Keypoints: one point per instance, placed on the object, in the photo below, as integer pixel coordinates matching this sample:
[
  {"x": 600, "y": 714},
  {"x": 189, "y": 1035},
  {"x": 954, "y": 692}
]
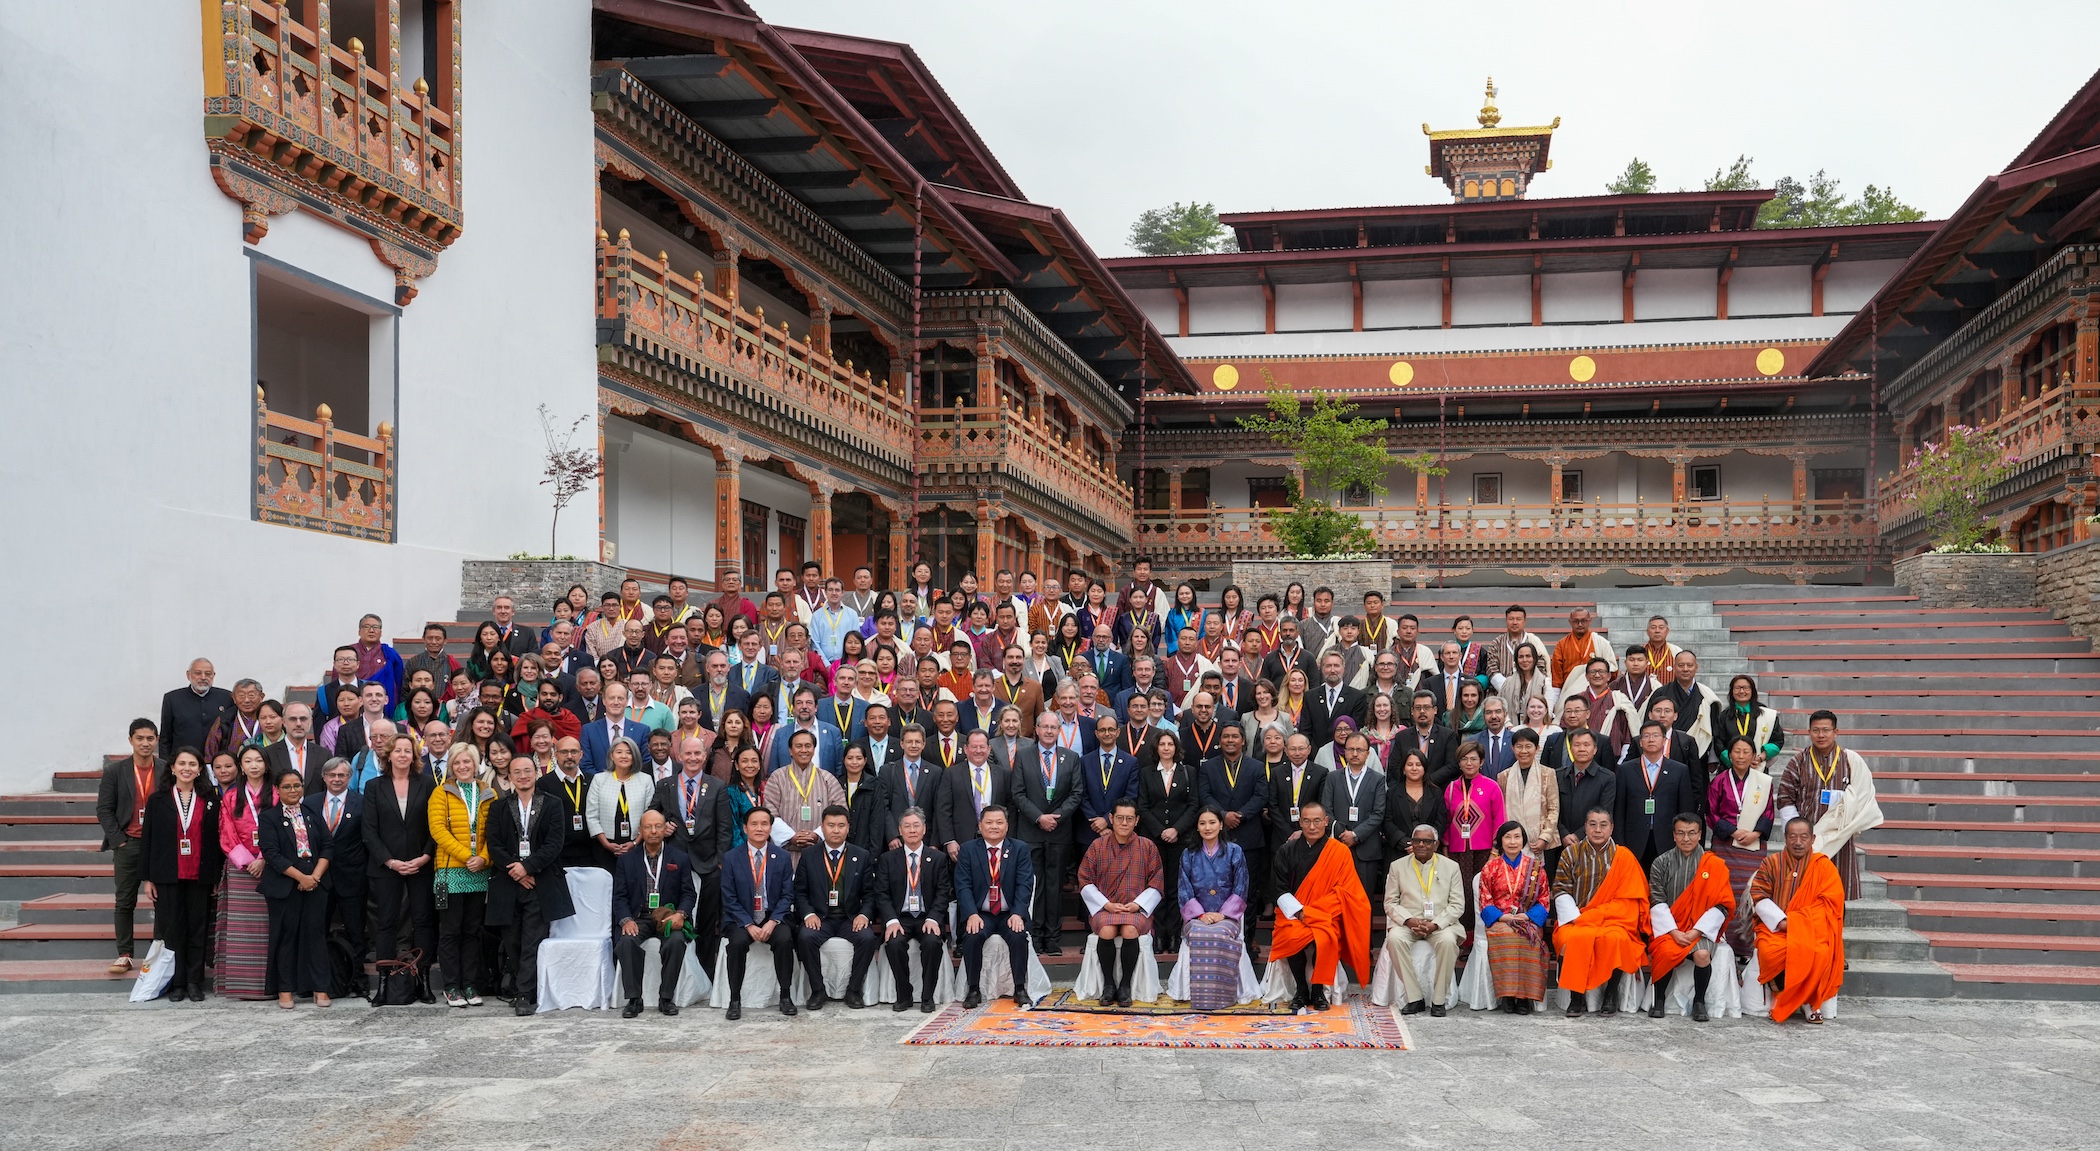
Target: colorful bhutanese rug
[
  {"x": 1357, "y": 1025},
  {"x": 1064, "y": 1000}
]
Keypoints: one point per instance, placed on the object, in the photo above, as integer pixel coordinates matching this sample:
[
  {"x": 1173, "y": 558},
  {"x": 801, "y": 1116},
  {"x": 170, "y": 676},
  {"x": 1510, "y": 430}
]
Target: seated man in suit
[
  {"x": 528, "y": 887},
  {"x": 913, "y": 887},
  {"x": 1425, "y": 898},
  {"x": 993, "y": 876},
  {"x": 835, "y": 899},
  {"x": 653, "y": 898},
  {"x": 758, "y": 903}
]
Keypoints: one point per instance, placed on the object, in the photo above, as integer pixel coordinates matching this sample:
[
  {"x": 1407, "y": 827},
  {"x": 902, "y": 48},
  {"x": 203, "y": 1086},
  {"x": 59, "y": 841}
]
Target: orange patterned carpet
[{"x": 1356, "y": 1025}]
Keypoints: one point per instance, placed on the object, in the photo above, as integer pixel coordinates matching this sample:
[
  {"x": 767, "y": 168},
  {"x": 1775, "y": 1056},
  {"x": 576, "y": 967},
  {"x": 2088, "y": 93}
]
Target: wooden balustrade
[
  {"x": 310, "y": 475},
  {"x": 966, "y": 438},
  {"x": 680, "y": 314},
  {"x": 2038, "y": 428}
]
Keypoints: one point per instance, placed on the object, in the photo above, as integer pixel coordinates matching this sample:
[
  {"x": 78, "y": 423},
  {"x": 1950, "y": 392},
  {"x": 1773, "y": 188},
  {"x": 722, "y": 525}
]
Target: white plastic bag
[{"x": 155, "y": 974}]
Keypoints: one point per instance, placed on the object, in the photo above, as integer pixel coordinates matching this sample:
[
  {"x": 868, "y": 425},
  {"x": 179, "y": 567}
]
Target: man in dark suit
[
  {"x": 913, "y": 886},
  {"x": 878, "y": 740},
  {"x": 967, "y": 788},
  {"x": 1439, "y": 747},
  {"x": 343, "y": 809},
  {"x": 993, "y": 879},
  {"x": 1107, "y": 775},
  {"x": 1233, "y": 782},
  {"x": 912, "y": 780},
  {"x": 647, "y": 883},
  {"x": 717, "y": 694},
  {"x": 342, "y": 675},
  {"x": 528, "y": 888},
  {"x": 835, "y": 899},
  {"x": 120, "y": 808},
  {"x": 979, "y": 710},
  {"x": 749, "y": 671},
  {"x": 1587, "y": 784},
  {"x": 1111, "y": 667},
  {"x": 758, "y": 906},
  {"x": 1652, "y": 790},
  {"x": 1329, "y": 700},
  {"x": 1445, "y": 681},
  {"x": 1288, "y": 653},
  {"x": 1682, "y": 748},
  {"x": 572, "y": 788},
  {"x": 1354, "y": 797},
  {"x": 695, "y": 807},
  {"x": 1494, "y": 738},
  {"x": 1201, "y": 733},
  {"x": 598, "y": 737},
  {"x": 1047, "y": 794},
  {"x": 298, "y": 749},
  {"x": 1235, "y": 687},
  {"x": 1574, "y": 716}
]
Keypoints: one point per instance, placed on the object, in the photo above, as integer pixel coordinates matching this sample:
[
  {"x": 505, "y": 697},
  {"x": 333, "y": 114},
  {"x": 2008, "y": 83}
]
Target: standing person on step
[
  {"x": 1572, "y": 655},
  {"x": 120, "y": 809},
  {"x": 1829, "y": 786},
  {"x": 528, "y": 887},
  {"x": 180, "y": 859}
]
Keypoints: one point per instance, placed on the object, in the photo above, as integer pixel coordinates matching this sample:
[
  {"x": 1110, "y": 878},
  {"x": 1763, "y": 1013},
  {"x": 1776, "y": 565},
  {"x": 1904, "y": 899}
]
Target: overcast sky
[{"x": 1105, "y": 108}]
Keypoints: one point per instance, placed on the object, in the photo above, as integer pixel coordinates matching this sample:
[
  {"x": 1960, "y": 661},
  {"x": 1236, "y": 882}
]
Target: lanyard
[
  {"x": 984, "y": 792},
  {"x": 1232, "y": 774},
  {"x": 144, "y": 785},
  {"x": 622, "y": 801},
  {"x": 834, "y": 863},
  {"x": 1049, "y": 763},
  {"x": 1108, "y": 767},
  {"x": 524, "y": 820},
  {"x": 575, "y": 789},
  {"x": 911, "y": 870},
  {"x": 802, "y": 789},
  {"x": 1298, "y": 784},
  {"x": 843, "y": 713},
  {"x": 1419, "y": 878},
  {"x": 654, "y": 865},
  {"x": 183, "y": 811},
  {"x": 1350, "y": 781},
  {"x": 1012, "y": 690},
  {"x": 1825, "y": 772},
  {"x": 468, "y": 792},
  {"x": 1202, "y": 744},
  {"x": 758, "y": 879}
]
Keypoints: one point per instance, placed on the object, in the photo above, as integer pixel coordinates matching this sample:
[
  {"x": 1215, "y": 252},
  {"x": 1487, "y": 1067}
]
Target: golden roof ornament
[{"x": 1490, "y": 116}]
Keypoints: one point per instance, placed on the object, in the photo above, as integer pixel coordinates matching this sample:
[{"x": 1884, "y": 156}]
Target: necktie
[
  {"x": 948, "y": 748},
  {"x": 689, "y": 799},
  {"x": 335, "y": 811},
  {"x": 834, "y": 857}
]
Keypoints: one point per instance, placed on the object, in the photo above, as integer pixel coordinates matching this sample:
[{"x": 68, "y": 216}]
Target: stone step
[
  {"x": 1922, "y": 884},
  {"x": 2050, "y": 864},
  {"x": 1968, "y": 775},
  {"x": 2006, "y": 810},
  {"x": 1896, "y": 979},
  {"x": 48, "y": 803},
  {"x": 2023, "y": 981},
  {"x": 1954, "y": 633},
  {"x": 2028, "y": 743},
  {"x": 20, "y": 882},
  {"x": 83, "y": 781},
  {"x": 1928, "y": 915},
  {"x": 1858, "y": 720},
  {"x": 61, "y": 941},
  {"x": 2007, "y": 947},
  {"x": 80, "y": 908},
  {"x": 2031, "y": 665},
  {"x": 53, "y": 976},
  {"x": 26, "y": 827},
  {"x": 1892, "y": 944}
]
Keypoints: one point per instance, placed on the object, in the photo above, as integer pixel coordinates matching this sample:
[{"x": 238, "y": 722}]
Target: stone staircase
[
  {"x": 1695, "y": 626},
  {"x": 1978, "y": 725}
]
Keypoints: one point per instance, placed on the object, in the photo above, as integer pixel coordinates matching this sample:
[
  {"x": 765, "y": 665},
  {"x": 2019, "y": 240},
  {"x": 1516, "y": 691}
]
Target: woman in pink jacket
[{"x": 244, "y": 917}]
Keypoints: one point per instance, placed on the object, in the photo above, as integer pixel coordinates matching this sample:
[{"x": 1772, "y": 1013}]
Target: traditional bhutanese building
[
  {"x": 1617, "y": 385},
  {"x": 1993, "y": 324},
  {"x": 784, "y": 215}
]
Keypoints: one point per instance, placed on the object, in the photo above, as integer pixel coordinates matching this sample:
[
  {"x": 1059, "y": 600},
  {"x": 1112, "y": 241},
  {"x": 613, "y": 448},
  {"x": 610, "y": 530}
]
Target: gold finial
[
  {"x": 324, "y": 412},
  {"x": 422, "y": 86},
  {"x": 601, "y": 235},
  {"x": 1489, "y": 114},
  {"x": 623, "y": 235},
  {"x": 357, "y": 47},
  {"x": 664, "y": 258},
  {"x": 386, "y": 429}
]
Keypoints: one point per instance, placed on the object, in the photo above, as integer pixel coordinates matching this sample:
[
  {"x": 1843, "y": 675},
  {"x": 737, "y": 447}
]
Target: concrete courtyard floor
[{"x": 90, "y": 1072}]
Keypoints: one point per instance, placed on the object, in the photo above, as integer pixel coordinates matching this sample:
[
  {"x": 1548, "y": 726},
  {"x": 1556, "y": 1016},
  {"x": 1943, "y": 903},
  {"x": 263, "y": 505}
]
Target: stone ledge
[
  {"x": 2004, "y": 580},
  {"x": 534, "y": 584},
  {"x": 1350, "y": 579}
]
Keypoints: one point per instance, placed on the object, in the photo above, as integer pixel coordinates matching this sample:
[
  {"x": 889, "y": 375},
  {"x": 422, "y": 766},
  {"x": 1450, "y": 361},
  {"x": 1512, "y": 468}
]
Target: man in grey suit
[
  {"x": 912, "y": 780},
  {"x": 1047, "y": 792},
  {"x": 1355, "y": 799}
]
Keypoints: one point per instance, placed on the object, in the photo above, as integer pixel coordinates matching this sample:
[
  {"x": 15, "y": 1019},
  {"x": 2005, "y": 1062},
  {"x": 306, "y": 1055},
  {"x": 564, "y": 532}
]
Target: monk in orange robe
[
  {"x": 1600, "y": 897},
  {"x": 1322, "y": 909},
  {"x": 1572, "y": 655},
  {"x": 1691, "y": 897},
  {"x": 1798, "y": 898}
]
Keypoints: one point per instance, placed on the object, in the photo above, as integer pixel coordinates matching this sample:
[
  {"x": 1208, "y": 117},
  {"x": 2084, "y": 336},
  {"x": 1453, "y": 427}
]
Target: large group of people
[{"x": 934, "y": 766}]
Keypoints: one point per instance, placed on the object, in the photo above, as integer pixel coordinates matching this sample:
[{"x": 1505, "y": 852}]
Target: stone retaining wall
[
  {"x": 2067, "y": 582},
  {"x": 534, "y": 584},
  {"x": 2006, "y": 580},
  {"x": 1350, "y": 579}
]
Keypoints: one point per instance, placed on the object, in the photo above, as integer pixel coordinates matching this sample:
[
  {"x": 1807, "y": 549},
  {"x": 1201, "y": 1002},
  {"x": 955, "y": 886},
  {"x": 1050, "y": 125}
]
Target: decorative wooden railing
[
  {"x": 958, "y": 441},
  {"x": 686, "y": 320},
  {"x": 1694, "y": 533},
  {"x": 2036, "y": 431},
  {"x": 310, "y": 475}
]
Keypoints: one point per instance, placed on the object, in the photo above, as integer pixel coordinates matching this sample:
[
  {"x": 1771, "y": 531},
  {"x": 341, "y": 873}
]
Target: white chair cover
[
  {"x": 1476, "y": 984},
  {"x": 1178, "y": 980},
  {"x": 576, "y": 964},
  {"x": 1144, "y": 983},
  {"x": 996, "y": 977},
  {"x": 693, "y": 983},
  {"x": 836, "y": 958},
  {"x": 1633, "y": 991},
  {"x": 1386, "y": 986},
  {"x": 1276, "y": 982},
  {"x": 761, "y": 989},
  {"x": 1757, "y": 1002},
  {"x": 882, "y": 982},
  {"x": 1724, "y": 996}
]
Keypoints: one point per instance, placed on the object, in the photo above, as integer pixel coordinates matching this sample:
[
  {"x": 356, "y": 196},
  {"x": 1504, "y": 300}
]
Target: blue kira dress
[{"x": 1214, "y": 880}]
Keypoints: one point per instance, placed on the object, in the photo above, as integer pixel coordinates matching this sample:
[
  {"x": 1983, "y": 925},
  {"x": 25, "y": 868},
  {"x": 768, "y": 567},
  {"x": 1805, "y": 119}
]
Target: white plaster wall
[
  {"x": 130, "y": 448},
  {"x": 1403, "y": 303},
  {"x": 1314, "y": 307},
  {"x": 1161, "y": 306},
  {"x": 660, "y": 501},
  {"x": 1479, "y": 300},
  {"x": 1581, "y": 297},
  {"x": 1775, "y": 291},
  {"x": 1230, "y": 309},
  {"x": 1675, "y": 293},
  {"x": 1851, "y": 283}
]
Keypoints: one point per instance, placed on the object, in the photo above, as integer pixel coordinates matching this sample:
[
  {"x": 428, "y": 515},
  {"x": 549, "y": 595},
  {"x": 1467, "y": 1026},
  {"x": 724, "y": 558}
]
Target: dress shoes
[
  {"x": 1607, "y": 1011},
  {"x": 1414, "y": 1007},
  {"x": 903, "y": 1003},
  {"x": 1122, "y": 996},
  {"x": 817, "y": 1000},
  {"x": 1699, "y": 1012},
  {"x": 1436, "y": 1011},
  {"x": 633, "y": 1008},
  {"x": 855, "y": 1000},
  {"x": 1577, "y": 1005},
  {"x": 523, "y": 1007},
  {"x": 735, "y": 1012},
  {"x": 1318, "y": 999},
  {"x": 667, "y": 1008},
  {"x": 175, "y": 994},
  {"x": 1298, "y": 1001},
  {"x": 973, "y": 1000},
  {"x": 926, "y": 1005},
  {"x": 787, "y": 1005},
  {"x": 1657, "y": 1011}
]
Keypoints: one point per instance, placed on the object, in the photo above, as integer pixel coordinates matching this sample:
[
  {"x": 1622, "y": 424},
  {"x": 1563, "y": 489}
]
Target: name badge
[
  {"x": 620, "y": 830},
  {"x": 182, "y": 846},
  {"x": 805, "y": 813},
  {"x": 1648, "y": 806},
  {"x": 1353, "y": 817},
  {"x": 834, "y": 899},
  {"x": 576, "y": 822},
  {"x": 255, "y": 837},
  {"x": 1294, "y": 815},
  {"x": 911, "y": 903},
  {"x": 1427, "y": 913},
  {"x": 1830, "y": 796},
  {"x": 524, "y": 849},
  {"x": 654, "y": 899}
]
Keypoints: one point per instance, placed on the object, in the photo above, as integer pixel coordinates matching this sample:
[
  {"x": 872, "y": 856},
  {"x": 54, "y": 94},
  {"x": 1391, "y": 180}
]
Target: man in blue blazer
[
  {"x": 1107, "y": 775},
  {"x": 1111, "y": 667},
  {"x": 599, "y": 737},
  {"x": 842, "y": 709},
  {"x": 646, "y": 882},
  {"x": 831, "y": 742},
  {"x": 342, "y": 808},
  {"x": 749, "y": 670},
  {"x": 993, "y": 879},
  {"x": 758, "y": 907}
]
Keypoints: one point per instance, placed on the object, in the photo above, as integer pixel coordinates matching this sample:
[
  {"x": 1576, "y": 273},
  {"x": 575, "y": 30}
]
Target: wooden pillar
[
  {"x": 726, "y": 275},
  {"x": 820, "y": 332},
  {"x": 1721, "y": 290},
  {"x": 1558, "y": 463},
  {"x": 1035, "y": 559},
  {"x": 988, "y": 515},
  {"x": 1181, "y": 308},
  {"x": 987, "y": 372},
  {"x": 729, "y": 511},
  {"x": 1174, "y": 486},
  {"x": 1626, "y": 289},
  {"x": 820, "y": 493},
  {"x": 1800, "y": 480},
  {"x": 1268, "y": 305},
  {"x": 1422, "y": 489},
  {"x": 1447, "y": 294},
  {"x": 1815, "y": 289},
  {"x": 1356, "y": 290},
  {"x": 900, "y": 550},
  {"x": 1538, "y": 302}
]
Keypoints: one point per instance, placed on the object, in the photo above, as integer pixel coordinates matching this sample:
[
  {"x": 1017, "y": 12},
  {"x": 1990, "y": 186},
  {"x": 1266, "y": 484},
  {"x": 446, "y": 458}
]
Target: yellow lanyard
[
  {"x": 1232, "y": 774},
  {"x": 1825, "y": 773},
  {"x": 1425, "y": 882}
]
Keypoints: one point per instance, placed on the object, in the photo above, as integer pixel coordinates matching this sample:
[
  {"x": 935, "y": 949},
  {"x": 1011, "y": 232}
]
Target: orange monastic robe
[
  {"x": 1335, "y": 918},
  {"x": 1606, "y": 937},
  {"x": 1710, "y": 890},
  {"x": 1811, "y": 951}
]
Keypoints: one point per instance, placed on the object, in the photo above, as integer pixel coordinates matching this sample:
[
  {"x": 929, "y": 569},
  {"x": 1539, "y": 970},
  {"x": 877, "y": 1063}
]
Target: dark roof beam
[
  {"x": 704, "y": 110},
  {"x": 772, "y": 145},
  {"x": 1044, "y": 299},
  {"x": 812, "y": 181}
]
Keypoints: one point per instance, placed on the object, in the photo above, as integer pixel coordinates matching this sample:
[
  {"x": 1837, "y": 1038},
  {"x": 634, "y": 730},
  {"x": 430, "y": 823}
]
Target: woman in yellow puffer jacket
[{"x": 459, "y": 820}]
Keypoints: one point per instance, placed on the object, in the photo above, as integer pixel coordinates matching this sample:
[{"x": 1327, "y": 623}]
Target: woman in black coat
[
  {"x": 398, "y": 852},
  {"x": 295, "y": 849},
  {"x": 1166, "y": 806},
  {"x": 179, "y": 842},
  {"x": 867, "y": 803}
]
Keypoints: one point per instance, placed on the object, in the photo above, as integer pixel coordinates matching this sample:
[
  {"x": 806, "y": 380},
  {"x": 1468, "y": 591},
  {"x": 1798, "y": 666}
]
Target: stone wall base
[
  {"x": 1350, "y": 579},
  {"x": 2067, "y": 582},
  {"x": 2006, "y": 580},
  {"x": 534, "y": 584}
]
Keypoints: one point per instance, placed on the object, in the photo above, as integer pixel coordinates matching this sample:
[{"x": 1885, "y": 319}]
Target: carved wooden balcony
[
  {"x": 310, "y": 475},
  {"x": 965, "y": 446}
]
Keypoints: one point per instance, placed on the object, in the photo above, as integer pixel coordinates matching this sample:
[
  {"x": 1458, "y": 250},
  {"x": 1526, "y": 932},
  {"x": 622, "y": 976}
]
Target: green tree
[
  {"x": 1735, "y": 178},
  {"x": 1820, "y": 203},
  {"x": 1336, "y": 450},
  {"x": 1638, "y": 179},
  {"x": 1180, "y": 230}
]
